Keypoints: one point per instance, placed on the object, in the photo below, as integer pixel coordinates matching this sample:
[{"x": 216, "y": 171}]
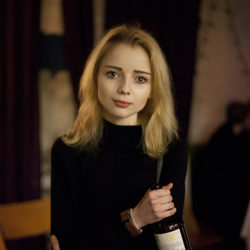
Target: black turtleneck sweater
[{"x": 88, "y": 192}]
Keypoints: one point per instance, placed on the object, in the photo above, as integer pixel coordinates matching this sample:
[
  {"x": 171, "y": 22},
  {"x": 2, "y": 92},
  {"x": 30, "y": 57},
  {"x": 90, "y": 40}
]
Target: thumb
[
  {"x": 169, "y": 186},
  {"x": 54, "y": 242}
]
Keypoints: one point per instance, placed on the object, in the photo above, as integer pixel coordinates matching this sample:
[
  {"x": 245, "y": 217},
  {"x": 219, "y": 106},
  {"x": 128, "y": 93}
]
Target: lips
[{"x": 122, "y": 104}]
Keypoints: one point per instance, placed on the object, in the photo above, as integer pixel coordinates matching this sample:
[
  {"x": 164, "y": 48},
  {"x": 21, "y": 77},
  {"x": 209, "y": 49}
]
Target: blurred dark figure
[{"x": 221, "y": 187}]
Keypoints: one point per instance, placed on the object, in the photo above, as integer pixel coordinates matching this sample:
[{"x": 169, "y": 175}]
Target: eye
[
  {"x": 141, "y": 79},
  {"x": 112, "y": 74}
]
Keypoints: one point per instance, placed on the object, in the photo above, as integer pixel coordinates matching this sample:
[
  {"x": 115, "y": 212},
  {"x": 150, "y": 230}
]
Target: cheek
[
  {"x": 147, "y": 94},
  {"x": 103, "y": 92},
  {"x": 143, "y": 98},
  {"x": 101, "y": 89},
  {"x": 147, "y": 97}
]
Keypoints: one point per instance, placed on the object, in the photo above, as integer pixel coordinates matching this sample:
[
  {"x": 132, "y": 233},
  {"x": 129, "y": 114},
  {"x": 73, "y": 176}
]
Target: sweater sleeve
[
  {"x": 175, "y": 168},
  {"x": 64, "y": 220}
]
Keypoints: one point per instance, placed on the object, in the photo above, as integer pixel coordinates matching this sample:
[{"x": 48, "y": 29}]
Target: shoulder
[
  {"x": 59, "y": 147},
  {"x": 175, "y": 163},
  {"x": 177, "y": 148},
  {"x": 59, "y": 144},
  {"x": 176, "y": 156},
  {"x": 62, "y": 151}
]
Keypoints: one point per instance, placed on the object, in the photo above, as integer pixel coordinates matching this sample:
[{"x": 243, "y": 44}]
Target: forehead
[{"x": 126, "y": 55}]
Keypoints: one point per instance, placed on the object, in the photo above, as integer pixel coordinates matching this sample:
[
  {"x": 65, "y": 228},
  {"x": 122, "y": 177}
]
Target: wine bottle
[{"x": 170, "y": 233}]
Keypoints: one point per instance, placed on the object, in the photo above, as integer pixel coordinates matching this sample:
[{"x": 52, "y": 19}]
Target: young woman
[{"x": 104, "y": 167}]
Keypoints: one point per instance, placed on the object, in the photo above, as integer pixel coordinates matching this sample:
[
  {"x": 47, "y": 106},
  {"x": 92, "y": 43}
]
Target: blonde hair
[{"x": 157, "y": 118}]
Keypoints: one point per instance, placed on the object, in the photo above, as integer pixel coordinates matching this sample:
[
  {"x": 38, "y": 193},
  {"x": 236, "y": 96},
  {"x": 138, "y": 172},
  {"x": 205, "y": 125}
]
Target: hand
[
  {"x": 54, "y": 242},
  {"x": 154, "y": 206}
]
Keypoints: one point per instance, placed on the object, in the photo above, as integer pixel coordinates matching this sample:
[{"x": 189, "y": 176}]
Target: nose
[{"x": 124, "y": 87}]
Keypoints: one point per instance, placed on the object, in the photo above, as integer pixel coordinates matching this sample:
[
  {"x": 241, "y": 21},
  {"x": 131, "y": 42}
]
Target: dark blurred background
[{"x": 44, "y": 45}]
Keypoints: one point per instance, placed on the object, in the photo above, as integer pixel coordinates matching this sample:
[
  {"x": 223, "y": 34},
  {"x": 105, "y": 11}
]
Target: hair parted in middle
[{"x": 159, "y": 124}]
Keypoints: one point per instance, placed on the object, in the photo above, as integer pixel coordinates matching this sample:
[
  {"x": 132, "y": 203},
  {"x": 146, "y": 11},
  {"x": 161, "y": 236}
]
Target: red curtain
[{"x": 19, "y": 117}]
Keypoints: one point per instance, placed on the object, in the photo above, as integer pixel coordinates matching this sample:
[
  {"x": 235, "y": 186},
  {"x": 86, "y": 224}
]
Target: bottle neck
[{"x": 156, "y": 186}]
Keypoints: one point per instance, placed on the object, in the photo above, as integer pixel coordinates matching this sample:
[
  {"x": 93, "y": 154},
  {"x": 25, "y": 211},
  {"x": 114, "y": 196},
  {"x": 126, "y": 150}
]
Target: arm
[
  {"x": 64, "y": 220},
  {"x": 156, "y": 205},
  {"x": 175, "y": 168},
  {"x": 159, "y": 204},
  {"x": 72, "y": 223}
]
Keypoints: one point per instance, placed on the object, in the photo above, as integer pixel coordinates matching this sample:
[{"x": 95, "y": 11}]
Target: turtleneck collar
[{"x": 122, "y": 134}]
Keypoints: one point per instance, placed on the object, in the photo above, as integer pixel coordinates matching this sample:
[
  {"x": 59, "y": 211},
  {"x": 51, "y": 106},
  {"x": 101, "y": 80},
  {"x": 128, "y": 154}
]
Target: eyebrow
[{"x": 120, "y": 69}]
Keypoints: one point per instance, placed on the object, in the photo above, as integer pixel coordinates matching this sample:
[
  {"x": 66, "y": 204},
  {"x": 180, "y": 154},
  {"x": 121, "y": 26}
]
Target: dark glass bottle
[{"x": 170, "y": 233}]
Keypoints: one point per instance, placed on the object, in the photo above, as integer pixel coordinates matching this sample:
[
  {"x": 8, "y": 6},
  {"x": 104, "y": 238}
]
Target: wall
[{"x": 222, "y": 65}]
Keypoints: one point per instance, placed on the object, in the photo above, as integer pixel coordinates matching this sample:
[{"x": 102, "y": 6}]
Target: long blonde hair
[{"x": 157, "y": 118}]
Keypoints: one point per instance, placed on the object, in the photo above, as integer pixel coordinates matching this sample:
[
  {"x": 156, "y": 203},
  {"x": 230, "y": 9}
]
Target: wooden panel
[
  {"x": 2, "y": 243},
  {"x": 25, "y": 219}
]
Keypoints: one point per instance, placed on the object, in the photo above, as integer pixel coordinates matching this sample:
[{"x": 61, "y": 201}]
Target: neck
[{"x": 131, "y": 121}]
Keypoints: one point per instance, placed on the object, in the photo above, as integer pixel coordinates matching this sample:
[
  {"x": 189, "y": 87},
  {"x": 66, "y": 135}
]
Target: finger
[
  {"x": 54, "y": 242},
  {"x": 161, "y": 200},
  {"x": 153, "y": 194},
  {"x": 169, "y": 186},
  {"x": 163, "y": 207},
  {"x": 166, "y": 213},
  {"x": 164, "y": 199}
]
